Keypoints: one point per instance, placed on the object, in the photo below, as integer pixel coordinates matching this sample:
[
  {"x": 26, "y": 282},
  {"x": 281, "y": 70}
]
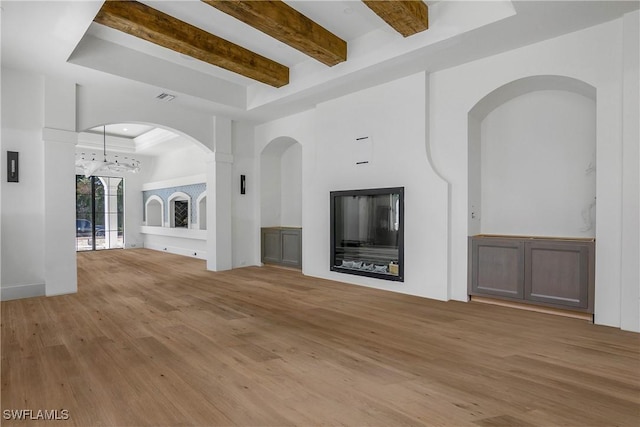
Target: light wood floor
[{"x": 153, "y": 339}]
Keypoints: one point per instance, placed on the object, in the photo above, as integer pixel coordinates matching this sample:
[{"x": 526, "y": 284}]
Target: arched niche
[
  {"x": 532, "y": 145},
  {"x": 281, "y": 183},
  {"x": 179, "y": 210},
  {"x": 154, "y": 208}
]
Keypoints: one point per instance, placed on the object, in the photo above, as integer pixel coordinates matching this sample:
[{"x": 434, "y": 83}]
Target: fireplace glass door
[{"x": 367, "y": 232}]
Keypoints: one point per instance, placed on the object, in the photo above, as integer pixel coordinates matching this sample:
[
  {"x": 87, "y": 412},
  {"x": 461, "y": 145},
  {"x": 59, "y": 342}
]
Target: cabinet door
[
  {"x": 497, "y": 267},
  {"x": 292, "y": 247},
  {"x": 271, "y": 246},
  {"x": 559, "y": 273}
]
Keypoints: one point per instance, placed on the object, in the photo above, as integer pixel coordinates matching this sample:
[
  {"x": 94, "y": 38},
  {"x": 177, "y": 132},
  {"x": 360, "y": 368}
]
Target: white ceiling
[{"x": 59, "y": 38}]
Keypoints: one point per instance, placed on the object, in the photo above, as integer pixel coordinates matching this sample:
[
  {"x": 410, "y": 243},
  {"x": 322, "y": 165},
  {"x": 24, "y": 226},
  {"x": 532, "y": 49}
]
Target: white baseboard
[
  {"x": 22, "y": 291},
  {"x": 178, "y": 251}
]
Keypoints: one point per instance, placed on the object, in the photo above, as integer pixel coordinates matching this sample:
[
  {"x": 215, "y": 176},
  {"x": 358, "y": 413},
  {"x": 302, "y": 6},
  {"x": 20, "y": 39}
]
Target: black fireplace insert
[{"x": 367, "y": 232}]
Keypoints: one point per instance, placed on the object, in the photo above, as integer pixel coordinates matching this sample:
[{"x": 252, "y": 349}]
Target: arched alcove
[
  {"x": 179, "y": 210},
  {"x": 154, "y": 209},
  {"x": 531, "y": 163},
  {"x": 281, "y": 183}
]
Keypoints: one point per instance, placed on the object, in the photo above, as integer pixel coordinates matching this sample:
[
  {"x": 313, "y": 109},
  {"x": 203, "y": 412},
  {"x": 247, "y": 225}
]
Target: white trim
[
  {"x": 178, "y": 251},
  {"x": 199, "y": 216},
  {"x": 221, "y": 158},
  {"x": 185, "y": 233},
  {"x": 153, "y": 137},
  {"x": 94, "y": 141},
  {"x": 22, "y": 291},
  {"x": 59, "y": 135},
  {"x": 176, "y": 182}
]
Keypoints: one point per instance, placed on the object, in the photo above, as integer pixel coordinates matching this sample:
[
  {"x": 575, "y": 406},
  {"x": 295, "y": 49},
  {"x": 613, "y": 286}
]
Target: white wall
[
  {"x": 186, "y": 161},
  {"x": 291, "y": 187},
  {"x": 399, "y": 158},
  {"x": 244, "y": 220},
  {"x": 191, "y": 243},
  {"x": 23, "y": 202},
  {"x": 594, "y": 56},
  {"x": 102, "y": 104},
  {"x": 281, "y": 183},
  {"x": 537, "y": 161},
  {"x": 630, "y": 296},
  {"x": 270, "y": 190}
]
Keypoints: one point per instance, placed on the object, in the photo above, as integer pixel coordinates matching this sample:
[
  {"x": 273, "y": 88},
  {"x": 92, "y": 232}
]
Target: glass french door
[{"x": 99, "y": 213}]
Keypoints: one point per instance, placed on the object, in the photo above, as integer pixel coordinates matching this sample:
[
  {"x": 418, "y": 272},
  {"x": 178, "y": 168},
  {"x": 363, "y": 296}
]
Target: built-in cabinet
[
  {"x": 552, "y": 272},
  {"x": 282, "y": 246}
]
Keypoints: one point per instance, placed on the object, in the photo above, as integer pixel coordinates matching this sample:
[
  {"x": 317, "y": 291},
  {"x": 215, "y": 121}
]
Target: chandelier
[{"x": 88, "y": 164}]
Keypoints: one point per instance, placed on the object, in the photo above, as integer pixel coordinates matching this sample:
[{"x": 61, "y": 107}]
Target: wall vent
[{"x": 165, "y": 97}]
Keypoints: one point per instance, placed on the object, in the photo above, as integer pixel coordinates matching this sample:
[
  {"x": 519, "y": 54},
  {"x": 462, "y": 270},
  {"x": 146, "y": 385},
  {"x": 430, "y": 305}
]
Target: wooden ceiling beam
[
  {"x": 407, "y": 17},
  {"x": 142, "y": 21},
  {"x": 282, "y": 22}
]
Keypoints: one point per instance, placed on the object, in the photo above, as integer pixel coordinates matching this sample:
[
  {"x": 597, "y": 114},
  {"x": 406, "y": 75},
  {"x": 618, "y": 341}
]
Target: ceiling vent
[{"x": 165, "y": 97}]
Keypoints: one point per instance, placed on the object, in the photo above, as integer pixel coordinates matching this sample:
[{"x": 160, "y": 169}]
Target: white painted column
[
  {"x": 59, "y": 206},
  {"x": 59, "y": 139},
  {"x": 111, "y": 212},
  {"x": 219, "y": 204},
  {"x": 630, "y": 268}
]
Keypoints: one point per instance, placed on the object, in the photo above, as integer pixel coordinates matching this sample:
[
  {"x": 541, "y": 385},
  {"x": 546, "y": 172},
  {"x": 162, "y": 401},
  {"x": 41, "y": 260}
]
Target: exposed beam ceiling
[
  {"x": 156, "y": 27},
  {"x": 282, "y": 22},
  {"x": 407, "y": 17}
]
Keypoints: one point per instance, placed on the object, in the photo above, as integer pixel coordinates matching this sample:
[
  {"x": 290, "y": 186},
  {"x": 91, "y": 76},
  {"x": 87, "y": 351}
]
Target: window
[{"x": 99, "y": 213}]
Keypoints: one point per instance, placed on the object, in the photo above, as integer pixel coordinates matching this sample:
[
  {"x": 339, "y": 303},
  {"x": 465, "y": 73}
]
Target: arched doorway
[{"x": 170, "y": 162}]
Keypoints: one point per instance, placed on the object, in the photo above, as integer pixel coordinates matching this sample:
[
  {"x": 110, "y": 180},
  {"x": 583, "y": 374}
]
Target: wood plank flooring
[{"x": 152, "y": 339}]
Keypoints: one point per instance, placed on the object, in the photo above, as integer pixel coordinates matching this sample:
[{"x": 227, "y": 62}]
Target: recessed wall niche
[
  {"x": 281, "y": 183},
  {"x": 176, "y": 207},
  {"x": 532, "y": 164},
  {"x": 153, "y": 209}
]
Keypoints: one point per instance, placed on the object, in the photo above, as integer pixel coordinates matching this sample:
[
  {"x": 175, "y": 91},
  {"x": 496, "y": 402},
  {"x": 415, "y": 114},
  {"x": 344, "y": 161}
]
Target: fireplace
[{"x": 367, "y": 232}]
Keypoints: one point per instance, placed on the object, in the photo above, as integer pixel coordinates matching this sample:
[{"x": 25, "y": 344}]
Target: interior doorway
[{"x": 99, "y": 213}]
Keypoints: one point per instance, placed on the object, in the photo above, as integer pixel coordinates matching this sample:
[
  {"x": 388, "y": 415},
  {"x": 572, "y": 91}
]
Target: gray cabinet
[
  {"x": 543, "y": 271},
  {"x": 497, "y": 267},
  {"x": 282, "y": 246}
]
